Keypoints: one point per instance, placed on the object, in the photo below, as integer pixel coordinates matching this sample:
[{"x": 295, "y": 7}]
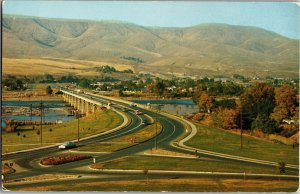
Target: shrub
[
  {"x": 288, "y": 130},
  {"x": 226, "y": 118},
  {"x": 61, "y": 159},
  {"x": 265, "y": 124},
  {"x": 281, "y": 167},
  {"x": 198, "y": 116}
]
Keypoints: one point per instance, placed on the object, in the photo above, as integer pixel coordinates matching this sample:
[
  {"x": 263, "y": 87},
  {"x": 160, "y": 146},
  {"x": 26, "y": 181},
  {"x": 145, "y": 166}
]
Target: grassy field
[
  {"x": 202, "y": 164},
  {"x": 122, "y": 142},
  {"x": 35, "y": 91},
  {"x": 55, "y": 66},
  {"x": 213, "y": 139},
  {"x": 92, "y": 124},
  {"x": 179, "y": 185}
]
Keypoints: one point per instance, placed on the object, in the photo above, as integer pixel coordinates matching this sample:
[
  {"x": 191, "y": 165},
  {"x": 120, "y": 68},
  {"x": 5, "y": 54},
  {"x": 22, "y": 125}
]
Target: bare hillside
[{"x": 199, "y": 50}]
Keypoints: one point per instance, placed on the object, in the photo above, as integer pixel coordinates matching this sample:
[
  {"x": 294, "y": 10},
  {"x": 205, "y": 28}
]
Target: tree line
[{"x": 259, "y": 107}]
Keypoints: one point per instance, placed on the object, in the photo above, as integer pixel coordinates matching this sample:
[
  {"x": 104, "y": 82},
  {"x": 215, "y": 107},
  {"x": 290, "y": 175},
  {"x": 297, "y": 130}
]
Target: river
[{"x": 19, "y": 110}]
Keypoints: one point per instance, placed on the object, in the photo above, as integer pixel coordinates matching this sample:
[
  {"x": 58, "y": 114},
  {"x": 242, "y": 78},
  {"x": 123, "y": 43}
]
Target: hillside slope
[{"x": 199, "y": 50}]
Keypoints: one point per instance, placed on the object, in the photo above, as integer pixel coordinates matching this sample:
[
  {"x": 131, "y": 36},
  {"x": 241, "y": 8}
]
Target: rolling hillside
[{"x": 210, "y": 49}]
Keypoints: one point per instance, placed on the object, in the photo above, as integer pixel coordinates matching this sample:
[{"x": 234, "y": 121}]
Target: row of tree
[
  {"x": 13, "y": 83},
  {"x": 109, "y": 69},
  {"x": 260, "y": 107}
]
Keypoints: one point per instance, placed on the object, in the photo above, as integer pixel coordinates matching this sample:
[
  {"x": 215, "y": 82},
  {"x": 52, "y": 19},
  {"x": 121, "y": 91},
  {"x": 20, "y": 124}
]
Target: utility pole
[
  {"x": 156, "y": 133},
  {"x": 44, "y": 113},
  {"x": 41, "y": 123},
  {"x": 241, "y": 123},
  {"x": 30, "y": 109},
  {"x": 78, "y": 126}
]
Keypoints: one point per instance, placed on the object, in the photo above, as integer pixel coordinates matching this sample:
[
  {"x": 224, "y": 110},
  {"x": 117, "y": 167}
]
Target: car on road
[
  {"x": 145, "y": 122},
  {"x": 124, "y": 109},
  {"x": 133, "y": 104},
  {"x": 137, "y": 112},
  {"x": 67, "y": 145}
]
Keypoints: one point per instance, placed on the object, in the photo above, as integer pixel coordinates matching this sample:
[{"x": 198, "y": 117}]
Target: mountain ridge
[
  {"x": 154, "y": 27},
  {"x": 216, "y": 48}
]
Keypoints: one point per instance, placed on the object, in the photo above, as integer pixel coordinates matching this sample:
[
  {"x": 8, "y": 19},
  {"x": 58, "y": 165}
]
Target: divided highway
[{"x": 171, "y": 130}]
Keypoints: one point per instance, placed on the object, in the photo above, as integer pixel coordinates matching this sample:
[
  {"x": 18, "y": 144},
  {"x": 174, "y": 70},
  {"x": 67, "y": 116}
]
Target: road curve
[
  {"x": 181, "y": 147},
  {"x": 172, "y": 129}
]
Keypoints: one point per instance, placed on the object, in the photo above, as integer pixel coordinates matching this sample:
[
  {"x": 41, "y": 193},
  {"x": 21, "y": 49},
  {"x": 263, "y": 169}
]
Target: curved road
[{"x": 172, "y": 129}]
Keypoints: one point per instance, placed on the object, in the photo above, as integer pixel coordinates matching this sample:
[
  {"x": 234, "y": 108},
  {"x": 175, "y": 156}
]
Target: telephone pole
[
  {"x": 30, "y": 109},
  {"x": 241, "y": 123},
  {"x": 156, "y": 133},
  {"x": 78, "y": 116},
  {"x": 42, "y": 106}
]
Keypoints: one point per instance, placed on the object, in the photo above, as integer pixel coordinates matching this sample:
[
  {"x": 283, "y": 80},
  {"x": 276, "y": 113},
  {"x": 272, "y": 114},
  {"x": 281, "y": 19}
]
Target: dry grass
[
  {"x": 47, "y": 177},
  {"x": 167, "y": 153},
  {"x": 54, "y": 66},
  {"x": 34, "y": 92},
  {"x": 179, "y": 185}
]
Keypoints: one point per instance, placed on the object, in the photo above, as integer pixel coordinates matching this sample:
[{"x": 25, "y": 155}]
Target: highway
[{"x": 172, "y": 129}]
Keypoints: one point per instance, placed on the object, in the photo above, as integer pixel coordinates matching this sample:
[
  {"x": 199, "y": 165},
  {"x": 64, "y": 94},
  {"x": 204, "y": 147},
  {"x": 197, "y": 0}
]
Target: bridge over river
[{"x": 85, "y": 105}]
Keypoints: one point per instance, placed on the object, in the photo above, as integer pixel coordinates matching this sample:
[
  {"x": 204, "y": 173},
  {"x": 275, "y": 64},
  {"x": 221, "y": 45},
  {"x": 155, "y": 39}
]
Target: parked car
[{"x": 67, "y": 145}]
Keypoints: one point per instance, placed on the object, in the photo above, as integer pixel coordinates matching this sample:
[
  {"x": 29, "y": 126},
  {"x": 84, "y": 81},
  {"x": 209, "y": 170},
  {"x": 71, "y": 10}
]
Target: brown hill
[{"x": 217, "y": 49}]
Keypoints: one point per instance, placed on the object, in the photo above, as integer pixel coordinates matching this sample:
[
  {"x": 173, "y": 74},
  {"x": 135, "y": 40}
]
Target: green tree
[
  {"x": 49, "y": 78},
  {"x": 49, "y": 90},
  {"x": 225, "y": 103},
  {"x": 216, "y": 89},
  {"x": 160, "y": 87},
  {"x": 12, "y": 83},
  {"x": 265, "y": 124},
  {"x": 84, "y": 83},
  {"x": 258, "y": 99},
  {"x": 121, "y": 94}
]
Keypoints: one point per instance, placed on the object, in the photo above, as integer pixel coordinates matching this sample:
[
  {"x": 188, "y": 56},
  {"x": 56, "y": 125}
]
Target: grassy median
[
  {"x": 52, "y": 134},
  {"x": 123, "y": 142},
  {"x": 217, "y": 140},
  {"x": 201, "y": 164}
]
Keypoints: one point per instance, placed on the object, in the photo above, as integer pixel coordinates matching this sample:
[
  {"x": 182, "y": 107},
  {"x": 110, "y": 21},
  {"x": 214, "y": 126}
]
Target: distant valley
[{"x": 203, "y": 50}]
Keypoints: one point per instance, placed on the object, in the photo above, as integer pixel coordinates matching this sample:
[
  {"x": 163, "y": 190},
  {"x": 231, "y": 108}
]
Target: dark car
[
  {"x": 67, "y": 145},
  {"x": 145, "y": 122}
]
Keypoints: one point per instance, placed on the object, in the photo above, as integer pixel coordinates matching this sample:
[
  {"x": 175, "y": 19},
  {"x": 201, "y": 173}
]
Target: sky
[{"x": 279, "y": 17}]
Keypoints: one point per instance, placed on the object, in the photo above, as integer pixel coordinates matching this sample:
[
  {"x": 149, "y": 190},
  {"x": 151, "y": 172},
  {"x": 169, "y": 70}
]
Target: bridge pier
[{"x": 81, "y": 103}]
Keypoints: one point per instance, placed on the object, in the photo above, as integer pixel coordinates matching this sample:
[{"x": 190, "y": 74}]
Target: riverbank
[
  {"x": 36, "y": 91},
  {"x": 32, "y": 98},
  {"x": 92, "y": 124}
]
